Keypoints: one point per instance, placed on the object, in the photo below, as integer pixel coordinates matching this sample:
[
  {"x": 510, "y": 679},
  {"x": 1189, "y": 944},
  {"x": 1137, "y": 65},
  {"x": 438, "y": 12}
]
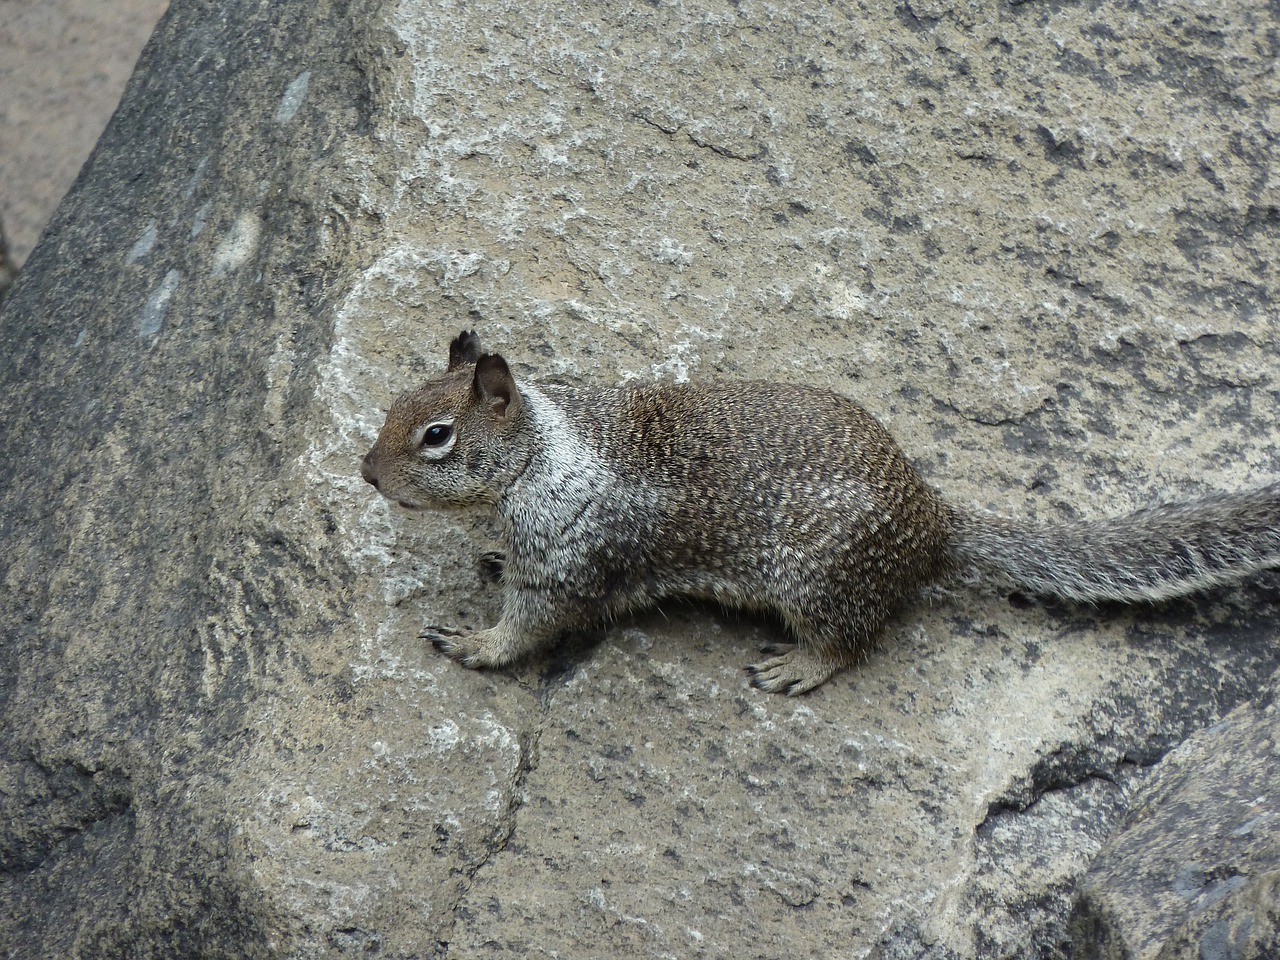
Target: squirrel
[{"x": 763, "y": 496}]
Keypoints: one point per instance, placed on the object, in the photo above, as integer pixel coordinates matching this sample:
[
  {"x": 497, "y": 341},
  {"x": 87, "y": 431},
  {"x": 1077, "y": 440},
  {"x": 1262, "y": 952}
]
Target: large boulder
[{"x": 1036, "y": 239}]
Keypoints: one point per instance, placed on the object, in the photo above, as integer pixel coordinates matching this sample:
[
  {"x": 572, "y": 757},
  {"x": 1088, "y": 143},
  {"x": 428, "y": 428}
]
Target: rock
[
  {"x": 1195, "y": 871},
  {"x": 1035, "y": 239},
  {"x": 8, "y": 272},
  {"x": 63, "y": 66}
]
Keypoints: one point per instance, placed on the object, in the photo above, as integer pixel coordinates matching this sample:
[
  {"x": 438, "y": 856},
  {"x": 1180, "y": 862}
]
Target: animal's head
[{"x": 458, "y": 440}]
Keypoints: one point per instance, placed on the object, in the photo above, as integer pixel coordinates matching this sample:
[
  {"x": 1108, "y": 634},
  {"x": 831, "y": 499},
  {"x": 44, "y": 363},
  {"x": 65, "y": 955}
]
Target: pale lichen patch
[
  {"x": 151, "y": 319},
  {"x": 293, "y": 97},
  {"x": 237, "y": 245}
]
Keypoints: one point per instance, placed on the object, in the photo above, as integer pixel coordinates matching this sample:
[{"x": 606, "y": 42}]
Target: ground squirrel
[{"x": 758, "y": 495}]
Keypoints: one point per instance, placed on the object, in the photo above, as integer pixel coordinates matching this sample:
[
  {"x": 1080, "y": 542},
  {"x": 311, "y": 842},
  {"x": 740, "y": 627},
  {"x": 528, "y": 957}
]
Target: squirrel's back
[{"x": 759, "y": 433}]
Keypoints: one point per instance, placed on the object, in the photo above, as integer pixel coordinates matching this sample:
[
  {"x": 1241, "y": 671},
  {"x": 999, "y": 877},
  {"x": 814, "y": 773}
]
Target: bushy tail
[{"x": 1153, "y": 554}]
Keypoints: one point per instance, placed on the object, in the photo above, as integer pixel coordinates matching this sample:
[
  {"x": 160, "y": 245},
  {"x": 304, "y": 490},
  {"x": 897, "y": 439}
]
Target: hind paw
[{"x": 791, "y": 672}]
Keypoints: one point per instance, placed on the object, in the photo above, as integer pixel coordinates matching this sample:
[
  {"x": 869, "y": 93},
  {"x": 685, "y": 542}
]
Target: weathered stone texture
[
  {"x": 1036, "y": 239},
  {"x": 1195, "y": 873}
]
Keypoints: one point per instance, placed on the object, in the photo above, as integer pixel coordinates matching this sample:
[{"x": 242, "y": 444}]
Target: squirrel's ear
[
  {"x": 494, "y": 387},
  {"x": 464, "y": 349}
]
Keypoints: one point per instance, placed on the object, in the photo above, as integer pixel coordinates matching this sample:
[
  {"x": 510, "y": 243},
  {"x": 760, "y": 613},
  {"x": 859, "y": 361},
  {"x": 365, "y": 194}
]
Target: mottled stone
[
  {"x": 1036, "y": 239},
  {"x": 1195, "y": 871}
]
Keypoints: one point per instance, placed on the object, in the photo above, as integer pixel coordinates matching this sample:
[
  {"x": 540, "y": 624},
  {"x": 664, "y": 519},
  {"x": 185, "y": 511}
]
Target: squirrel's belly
[{"x": 738, "y": 591}]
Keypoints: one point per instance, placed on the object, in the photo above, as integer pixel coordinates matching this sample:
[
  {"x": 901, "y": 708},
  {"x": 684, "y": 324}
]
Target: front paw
[
  {"x": 471, "y": 649},
  {"x": 457, "y": 645}
]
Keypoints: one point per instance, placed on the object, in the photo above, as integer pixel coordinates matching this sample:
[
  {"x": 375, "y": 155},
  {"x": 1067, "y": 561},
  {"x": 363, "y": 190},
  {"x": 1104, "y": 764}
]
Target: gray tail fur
[{"x": 1153, "y": 554}]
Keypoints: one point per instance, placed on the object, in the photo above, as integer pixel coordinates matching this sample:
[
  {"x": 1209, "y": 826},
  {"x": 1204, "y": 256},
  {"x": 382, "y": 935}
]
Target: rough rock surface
[
  {"x": 1036, "y": 239},
  {"x": 1195, "y": 873}
]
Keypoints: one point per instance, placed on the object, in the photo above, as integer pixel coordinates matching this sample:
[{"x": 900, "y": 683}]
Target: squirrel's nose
[{"x": 366, "y": 471}]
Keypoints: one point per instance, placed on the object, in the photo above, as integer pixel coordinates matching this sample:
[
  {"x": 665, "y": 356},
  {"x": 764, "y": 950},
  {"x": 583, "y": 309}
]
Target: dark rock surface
[
  {"x": 147, "y": 591},
  {"x": 1195, "y": 871},
  {"x": 1035, "y": 239}
]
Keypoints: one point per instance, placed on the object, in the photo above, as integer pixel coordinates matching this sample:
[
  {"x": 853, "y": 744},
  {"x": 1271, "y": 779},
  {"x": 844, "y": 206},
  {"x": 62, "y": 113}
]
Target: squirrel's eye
[{"x": 437, "y": 434}]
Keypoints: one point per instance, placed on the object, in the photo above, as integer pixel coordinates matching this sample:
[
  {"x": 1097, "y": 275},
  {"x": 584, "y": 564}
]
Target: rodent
[{"x": 758, "y": 495}]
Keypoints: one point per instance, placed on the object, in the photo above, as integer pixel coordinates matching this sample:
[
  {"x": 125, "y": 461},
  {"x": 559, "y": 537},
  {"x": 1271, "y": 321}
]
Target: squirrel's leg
[
  {"x": 797, "y": 668},
  {"x": 528, "y": 621},
  {"x": 495, "y": 646},
  {"x": 822, "y": 650}
]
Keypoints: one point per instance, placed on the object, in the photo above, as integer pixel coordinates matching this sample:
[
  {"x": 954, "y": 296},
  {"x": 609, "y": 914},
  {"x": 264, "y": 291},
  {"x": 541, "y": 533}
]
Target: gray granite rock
[
  {"x": 1195, "y": 871},
  {"x": 1035, "y": 239}
]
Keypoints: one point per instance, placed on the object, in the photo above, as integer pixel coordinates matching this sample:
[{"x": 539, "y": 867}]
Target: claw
[
  {"x": 492, "y": 563},
  {"x": 448, "y": 641}
]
